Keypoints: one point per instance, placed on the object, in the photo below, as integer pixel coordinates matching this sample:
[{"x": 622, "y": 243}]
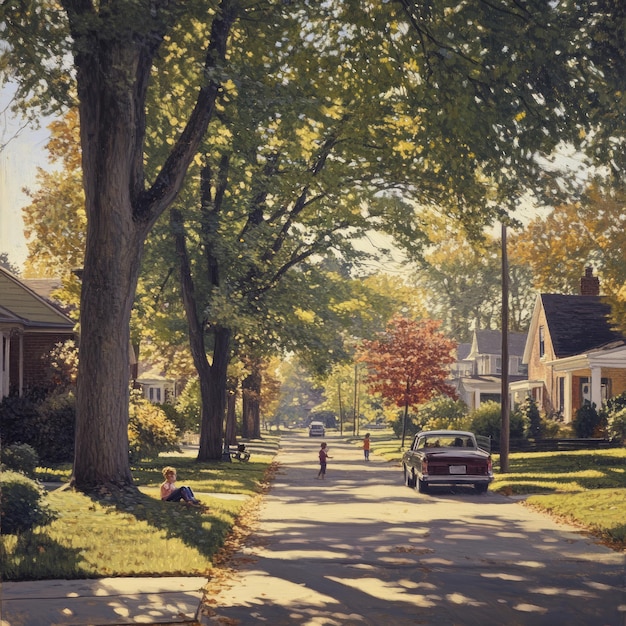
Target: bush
[
  {"x": 17, "y": 420},
  {"x": 486, "y": 420},
  {"x": 530, "y": 413},
  {"x": 444, "y": 413},
  {"x": 413, "y": 426},
  {"x": 189, "y": 406},
  {"x": 20, "y": 457},
  {"x": 149, "y": 430},
  {"x": 44, "y": 422},
  {"x": 22, "y": 504},
  {"x": 588, "y": 422},
  {"x": 616, "y": 425},
  {"x": 56, "y": 425}
]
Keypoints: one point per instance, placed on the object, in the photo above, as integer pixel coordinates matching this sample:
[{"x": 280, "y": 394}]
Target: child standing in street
[
  {"x": 366, "y": 446},
  {"x": 323, "y": 456}
]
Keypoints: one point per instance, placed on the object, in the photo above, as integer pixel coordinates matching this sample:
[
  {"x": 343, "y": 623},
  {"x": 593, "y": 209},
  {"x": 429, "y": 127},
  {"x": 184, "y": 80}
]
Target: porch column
[
  {"x": 567, "y": 400},
  {"x": 4, "y": 365},
  {"x": 477, "y": 398},
  {"x": 596, "y": 386}
]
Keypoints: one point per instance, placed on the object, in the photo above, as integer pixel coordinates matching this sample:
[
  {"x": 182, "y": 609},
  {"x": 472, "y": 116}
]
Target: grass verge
[{"x": 142, "y": 536}]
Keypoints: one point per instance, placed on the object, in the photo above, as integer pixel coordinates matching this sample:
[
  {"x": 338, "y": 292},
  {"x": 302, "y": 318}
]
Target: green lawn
[
  {"x": 142, "y": 536},
  {"x": 586, "y": 487}
]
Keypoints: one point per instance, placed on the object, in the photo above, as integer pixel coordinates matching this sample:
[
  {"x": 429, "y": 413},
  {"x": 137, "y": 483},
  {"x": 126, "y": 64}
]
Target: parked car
[
  {"x": 447, "y": 457},
  {"x": 316, "y": 429}
]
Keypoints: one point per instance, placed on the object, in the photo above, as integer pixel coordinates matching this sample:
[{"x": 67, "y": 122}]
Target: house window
[
  {"x": 585, "y": 390},
  {"x": 542, "y": 341},
  {"x": 498, "y": 365},
  {"x": 561, "y": 400}
]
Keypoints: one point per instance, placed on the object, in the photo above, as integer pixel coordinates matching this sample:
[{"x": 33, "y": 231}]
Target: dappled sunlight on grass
[{"x": 137, "y": 535}]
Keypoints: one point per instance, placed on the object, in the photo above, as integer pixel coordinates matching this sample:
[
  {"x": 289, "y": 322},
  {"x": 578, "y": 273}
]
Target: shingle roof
[
  {"x": 577, "y": 324},
  {"x": 490, "y": 342}
]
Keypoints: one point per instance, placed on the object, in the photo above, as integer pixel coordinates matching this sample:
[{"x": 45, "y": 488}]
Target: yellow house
[{"x": 573, "y": 354}]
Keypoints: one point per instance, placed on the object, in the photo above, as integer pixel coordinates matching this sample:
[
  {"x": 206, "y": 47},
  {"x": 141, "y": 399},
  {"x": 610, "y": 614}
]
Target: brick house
[
  {"x": 30, "y": 326},
  {"x": 573, "y": 354}
]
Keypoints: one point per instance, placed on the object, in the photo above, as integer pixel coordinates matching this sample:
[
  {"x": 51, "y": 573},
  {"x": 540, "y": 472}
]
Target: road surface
[{"x": 360, "y": 548}]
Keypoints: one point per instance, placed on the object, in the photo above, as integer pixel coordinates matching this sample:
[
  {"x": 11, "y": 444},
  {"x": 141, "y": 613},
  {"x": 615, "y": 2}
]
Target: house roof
[
  {"x": 462, "y": 351},
  {"x": 19, "y": 303},
  {"x": 577, "y": 324},
  {"x": 490, "y": 342}
]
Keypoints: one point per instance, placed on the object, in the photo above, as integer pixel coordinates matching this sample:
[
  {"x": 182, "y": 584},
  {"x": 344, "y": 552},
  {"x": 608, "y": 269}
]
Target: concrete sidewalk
[{"x": 100, "y": 602}]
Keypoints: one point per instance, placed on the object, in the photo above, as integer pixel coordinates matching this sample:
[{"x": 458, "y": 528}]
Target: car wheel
[
  {"x": 409, "y": 478},
  {"x": 481, "y": 487},
  {"x": 422, "y": 486}
]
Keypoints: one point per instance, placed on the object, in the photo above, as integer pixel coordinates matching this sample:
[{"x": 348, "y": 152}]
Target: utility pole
[{"x": 504, "y": 393}]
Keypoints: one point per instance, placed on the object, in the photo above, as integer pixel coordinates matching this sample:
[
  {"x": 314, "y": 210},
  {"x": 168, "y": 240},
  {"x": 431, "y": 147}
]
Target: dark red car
[{"x": 447, "y": 457}]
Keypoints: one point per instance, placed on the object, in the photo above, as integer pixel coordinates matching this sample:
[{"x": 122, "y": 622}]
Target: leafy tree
[
  {"x": 407, "y": 365},
  {"x": 6, "y": 263},
  {"x": 462, "y": 279},
  {"x": 571, "y": 237},
  {"x": 471, "y": 126}
]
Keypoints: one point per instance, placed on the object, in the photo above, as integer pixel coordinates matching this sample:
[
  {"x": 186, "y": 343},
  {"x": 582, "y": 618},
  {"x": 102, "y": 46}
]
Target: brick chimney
[{"x": 589, "y": 284}]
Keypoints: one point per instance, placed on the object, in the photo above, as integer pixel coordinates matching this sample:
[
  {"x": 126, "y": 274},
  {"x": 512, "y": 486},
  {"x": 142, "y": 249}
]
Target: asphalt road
[{"x": 360, "y": 548}]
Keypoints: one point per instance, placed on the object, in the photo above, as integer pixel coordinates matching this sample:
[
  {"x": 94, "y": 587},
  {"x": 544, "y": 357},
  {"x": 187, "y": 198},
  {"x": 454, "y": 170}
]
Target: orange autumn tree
[{"x": 407, "y": 364}]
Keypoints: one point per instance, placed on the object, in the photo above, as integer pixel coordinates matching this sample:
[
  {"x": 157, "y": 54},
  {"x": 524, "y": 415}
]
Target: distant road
[{"x": 360, "y": 548}]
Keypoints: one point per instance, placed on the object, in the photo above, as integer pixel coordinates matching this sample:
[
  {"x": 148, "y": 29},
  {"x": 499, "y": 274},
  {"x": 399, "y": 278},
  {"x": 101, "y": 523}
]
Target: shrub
[
  {"x": 56, "y": 425},
  {"x": 588, "y": 422},
  {"x": 149, "y": 430},
  {"x": 445, "y": 413},
  {"x": 413, "y": 426},
  {"x": 486, "y": 420},
  {"x": 20, "y": 457},
  {"x": 44, "y": 422},
  {"x": 22, "y": 504},
  {"x": 17, "y": 420},
  {"x": 530, "y": 412},
  {"x": 188, "y": 405},
  {"x": 616, "y": 425}
]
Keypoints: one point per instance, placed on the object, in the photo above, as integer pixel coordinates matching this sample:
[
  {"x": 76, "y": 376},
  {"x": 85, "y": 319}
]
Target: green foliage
[
  {"x": 150, "y": 432},
  {"x": 616, "y": 425},
  {"x": 444, "y": 413},
  {"x": 180, "y": 420},
  {"x": 588, "y": 422},
  {"x": 413, "y": 425},
  {"x": 19, "y": 457},
  {"x": 22, "y": 504},
  {"x": 47, "y": 425},
  {"x": 17, "y": 416},
  {"x": 530, "y": 412},
  {"x": 188, "y": 405},
  {"x": 55, "y": 427},
  {"x": 486, "y": 420}
]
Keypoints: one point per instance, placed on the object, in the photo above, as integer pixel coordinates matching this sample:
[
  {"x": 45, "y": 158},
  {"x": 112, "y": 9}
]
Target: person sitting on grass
[{"x": 171, "y": 493}]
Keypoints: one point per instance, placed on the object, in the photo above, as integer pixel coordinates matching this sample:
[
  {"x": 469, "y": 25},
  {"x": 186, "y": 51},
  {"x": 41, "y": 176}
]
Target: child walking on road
[
  {"x": 366, "y": 446},
  {"x": 323, "y": 456}
]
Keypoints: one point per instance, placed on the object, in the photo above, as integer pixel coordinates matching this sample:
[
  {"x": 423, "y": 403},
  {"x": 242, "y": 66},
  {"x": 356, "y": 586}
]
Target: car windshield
[{"x": 445, "y": 441}]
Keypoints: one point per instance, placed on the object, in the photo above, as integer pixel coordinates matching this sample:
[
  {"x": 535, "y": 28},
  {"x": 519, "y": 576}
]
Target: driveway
[{"x": 361, "y": 548}]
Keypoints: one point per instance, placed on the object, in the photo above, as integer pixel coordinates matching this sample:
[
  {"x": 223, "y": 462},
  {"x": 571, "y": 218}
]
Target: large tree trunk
[
  {"x": 214, "y": 404},
  {"x": 113, "y": 65},
  {"x": 230, "y": 436},
  {"x": 251, "y": 393}
]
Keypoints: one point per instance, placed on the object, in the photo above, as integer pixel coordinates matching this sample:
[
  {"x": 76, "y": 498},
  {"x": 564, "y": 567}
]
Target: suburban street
[{"x": 362, "y": 548}]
